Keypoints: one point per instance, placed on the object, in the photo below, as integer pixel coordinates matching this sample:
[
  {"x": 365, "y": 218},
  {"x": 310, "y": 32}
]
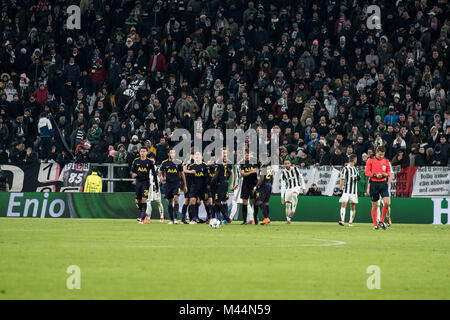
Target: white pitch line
[{"x": 331, "y": 243}]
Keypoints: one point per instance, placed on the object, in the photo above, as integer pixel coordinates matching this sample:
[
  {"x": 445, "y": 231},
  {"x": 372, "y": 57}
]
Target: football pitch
[{"x": 120, "y": 259}]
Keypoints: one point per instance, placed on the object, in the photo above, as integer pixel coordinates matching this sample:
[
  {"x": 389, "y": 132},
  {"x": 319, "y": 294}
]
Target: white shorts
[
  {"x": 289, "y": 195},
  {"x": 346, "y": 197},
  {"x": 154, "y": 196},
  {"x": 237, "y": 194}
]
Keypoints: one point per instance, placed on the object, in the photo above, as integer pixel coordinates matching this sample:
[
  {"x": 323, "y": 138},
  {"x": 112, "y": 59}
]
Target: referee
[
  {"x": 348, "y": 185},
  {"x": 379, "y": 170}
]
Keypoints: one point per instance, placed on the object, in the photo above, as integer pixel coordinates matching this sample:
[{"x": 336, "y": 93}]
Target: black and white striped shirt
[
  {"x": 350, "y": 175},
  {"x": 291, "y": 179}
]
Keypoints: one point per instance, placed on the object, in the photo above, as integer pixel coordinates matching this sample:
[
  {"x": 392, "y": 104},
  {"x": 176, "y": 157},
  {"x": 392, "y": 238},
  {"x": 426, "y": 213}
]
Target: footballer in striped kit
[
  {"x": 292, "y": 183},
  {"x": 348, "y": 184}
]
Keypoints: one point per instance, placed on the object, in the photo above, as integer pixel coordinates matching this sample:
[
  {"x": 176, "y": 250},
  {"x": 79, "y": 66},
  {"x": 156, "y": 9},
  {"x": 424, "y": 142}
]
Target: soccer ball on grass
[{"x": 214, "y": 223}]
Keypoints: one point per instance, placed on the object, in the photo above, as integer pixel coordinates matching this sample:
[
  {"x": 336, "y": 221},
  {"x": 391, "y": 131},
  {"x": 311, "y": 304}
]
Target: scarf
[{"x": 154, "y": 62}]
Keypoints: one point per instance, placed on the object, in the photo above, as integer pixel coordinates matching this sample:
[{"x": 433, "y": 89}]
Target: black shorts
[
  {"x": 171, "y": 190},
  {"x": 221, "y": 194},
  {"x": 142, "y": 189},
  {"x": 377, "y": 189},
  {"x": 197, "y": 191},
  {"x": 247, "y": 191},
  {"x": 263, "y": 192}
]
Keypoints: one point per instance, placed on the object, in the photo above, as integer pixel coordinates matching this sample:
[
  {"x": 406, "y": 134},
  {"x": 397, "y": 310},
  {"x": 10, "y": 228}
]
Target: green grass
[{"x": 120, "y": 259}]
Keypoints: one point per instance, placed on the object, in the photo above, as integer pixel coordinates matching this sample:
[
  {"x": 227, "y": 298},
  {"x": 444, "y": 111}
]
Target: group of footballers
[{"x": 251, "y": 183}]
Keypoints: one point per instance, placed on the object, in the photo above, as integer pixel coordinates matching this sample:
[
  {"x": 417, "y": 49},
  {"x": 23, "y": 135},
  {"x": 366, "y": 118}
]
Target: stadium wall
[{"x": 121, "y": 206}]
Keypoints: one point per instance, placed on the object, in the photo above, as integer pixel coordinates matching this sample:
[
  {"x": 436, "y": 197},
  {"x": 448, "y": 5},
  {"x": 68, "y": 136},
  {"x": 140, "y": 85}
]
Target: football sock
[
  {"x": 374, "y": 217},
  {"x": 342, "y": 214},
  {"x": 384, "y": 212},
  {"x": 250, "y": 212},
  {"x": 149, "y": 207},
  {"x": 216, "y": 210},
  {"x": 389, "y": 212},
  {"x": 234, "y": 209},
  {"x": 176, "y": 208},
  {"x": 244, "y": 212},
  {"x": 170, "y": 207},
  {"x": 352, "y": 215},
  {"x": 288, "y": 210},
  {"x": 265, "y": 210},
  {"x": 191, "y": 213},
  {"x": 139, "y": 206},
  {"x": 196, "y": 211},
  {"x": 144, "y": 209},
  {"x": 294, "y": 204},
  {"x": 208, "y": 212},
  {"x": 224, "y": 211},
  {"x": 255, "y": 215},
  {"x": 183, "y": 212}
]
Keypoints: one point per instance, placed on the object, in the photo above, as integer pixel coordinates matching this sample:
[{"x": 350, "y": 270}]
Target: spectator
[
  {"x": 314, "y": 191},
  {"x": 30, "y": 157},
  {"x": 401, "y": 159},
  {"x": 437, "y": 159},
  {"x": 46, "y": 134}
]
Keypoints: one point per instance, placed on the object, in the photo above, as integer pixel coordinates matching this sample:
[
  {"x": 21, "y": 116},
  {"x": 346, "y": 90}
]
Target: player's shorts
[
  {"x": 377, "y": 189},
  {"x": 289, "y": 195},
  {"x": 263, "y": 192},
  {"x": 247, "y": 191},
  {"x": 211, "y": 191},
  {"x": 142, "y": 189},
  {"x": 346, "y": 197},
  {"x": 237, "y": 194},
  {"x": 171, "y": 190},
  {"x": 197, "y": 191},
  {"x": 154, "y": 196},
  {"x": 221, "y": 192}
]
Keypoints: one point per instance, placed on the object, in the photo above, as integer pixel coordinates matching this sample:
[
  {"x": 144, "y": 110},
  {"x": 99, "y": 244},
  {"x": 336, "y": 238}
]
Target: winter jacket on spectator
[
  {"x": 45, "y": 128},
  {"x": 94, "y": 134},
  {"x": 157, "y": 62},
  {"x": 121, "y": 156},
  {"x": 17, "y": 155},
  {"x": 3, "y": 155},
  {"x": 98, "y": 72},
  {"x": 41, "y": 94},
  {"x": 401, "y": 159},
  {"x": 134, "y": 144},
  {"x": 72, "y": 72},
  {"x": 438, "y": 159}
]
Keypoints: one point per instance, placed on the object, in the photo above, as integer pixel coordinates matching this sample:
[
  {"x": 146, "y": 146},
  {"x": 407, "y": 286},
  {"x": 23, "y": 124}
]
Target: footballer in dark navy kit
[
  {"x": 140, "y": 170},
  {"x": 224, "y": 171},
  {"x": 263, "y": 191},
  {"x": 187, "y": 187},
  {"x": 249, "y": 173},
  {"x": 199, "y": 177},
  {"x": 210, "y": 190},
  {"x": 171, "y": 173}
]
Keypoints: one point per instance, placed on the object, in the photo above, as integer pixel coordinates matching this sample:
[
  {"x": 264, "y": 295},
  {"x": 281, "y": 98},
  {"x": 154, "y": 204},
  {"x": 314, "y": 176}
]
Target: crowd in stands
[{"x": 138, "y": 70}]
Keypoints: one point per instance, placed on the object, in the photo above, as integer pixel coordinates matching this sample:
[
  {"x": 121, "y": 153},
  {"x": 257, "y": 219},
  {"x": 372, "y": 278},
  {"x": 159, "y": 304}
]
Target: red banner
[{"x": 404, "y": 179}]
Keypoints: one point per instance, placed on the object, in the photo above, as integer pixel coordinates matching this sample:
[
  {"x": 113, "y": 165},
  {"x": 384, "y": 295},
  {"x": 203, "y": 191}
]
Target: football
[{"x": 214, "y": 223}]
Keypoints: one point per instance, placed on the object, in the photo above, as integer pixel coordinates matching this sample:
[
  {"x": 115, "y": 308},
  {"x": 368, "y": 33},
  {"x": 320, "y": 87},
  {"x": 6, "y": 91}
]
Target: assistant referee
[{"x": 378, "y": 170}]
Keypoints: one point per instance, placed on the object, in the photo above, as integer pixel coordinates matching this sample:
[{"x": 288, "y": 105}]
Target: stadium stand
[{"x": 137, "y": 70}]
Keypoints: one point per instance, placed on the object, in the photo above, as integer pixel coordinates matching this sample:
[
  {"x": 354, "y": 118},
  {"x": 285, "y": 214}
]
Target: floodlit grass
[{"x": 120, "y": 259}]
